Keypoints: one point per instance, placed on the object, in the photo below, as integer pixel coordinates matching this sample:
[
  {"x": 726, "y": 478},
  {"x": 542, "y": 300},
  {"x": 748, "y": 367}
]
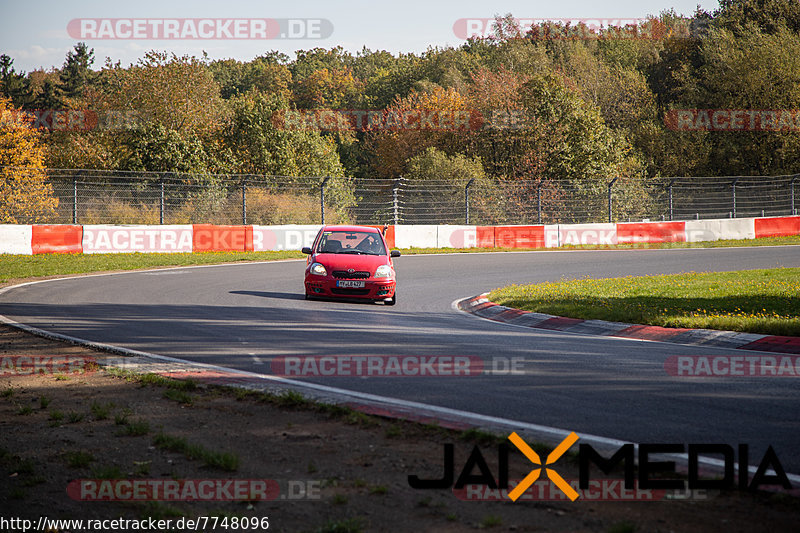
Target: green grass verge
[
  {"x": 731, "y": 243},
  {"x": 757, "y": 301},
  {"x": 34, "y": 266}
]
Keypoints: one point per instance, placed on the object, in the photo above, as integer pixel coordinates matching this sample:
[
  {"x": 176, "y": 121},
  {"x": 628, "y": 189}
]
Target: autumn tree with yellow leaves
[
  {"x": 25, "y": 194},
  {"x": 438, "y": 118}
]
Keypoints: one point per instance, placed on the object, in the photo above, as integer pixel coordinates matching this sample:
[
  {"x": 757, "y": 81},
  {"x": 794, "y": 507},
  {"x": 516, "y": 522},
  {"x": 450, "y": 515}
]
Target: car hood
[{"x": 354, "y": 261}]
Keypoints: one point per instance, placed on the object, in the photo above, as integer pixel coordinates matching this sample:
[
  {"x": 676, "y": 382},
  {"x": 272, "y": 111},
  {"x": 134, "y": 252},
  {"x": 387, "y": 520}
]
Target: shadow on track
[{"x": 278, "y": 295}]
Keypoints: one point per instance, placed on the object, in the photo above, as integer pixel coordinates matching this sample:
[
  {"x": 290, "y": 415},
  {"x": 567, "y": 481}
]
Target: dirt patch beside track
[{"x": 331, "y": 467}]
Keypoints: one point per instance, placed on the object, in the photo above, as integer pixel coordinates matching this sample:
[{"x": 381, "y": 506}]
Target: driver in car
[{"x": 370, "y": 245}]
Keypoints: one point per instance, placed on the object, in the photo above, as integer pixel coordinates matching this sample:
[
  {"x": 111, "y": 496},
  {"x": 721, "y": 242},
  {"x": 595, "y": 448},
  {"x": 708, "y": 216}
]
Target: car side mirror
[
  {"x": 394, "y": 253},
  {"x": 307, "y": 250}
]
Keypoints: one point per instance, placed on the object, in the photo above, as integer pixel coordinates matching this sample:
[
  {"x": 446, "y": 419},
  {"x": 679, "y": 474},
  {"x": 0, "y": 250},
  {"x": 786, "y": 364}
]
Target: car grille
[{"x": 343, "y": 274}]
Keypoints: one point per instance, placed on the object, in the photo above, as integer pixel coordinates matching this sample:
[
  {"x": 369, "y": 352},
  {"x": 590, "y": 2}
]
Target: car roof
[{"x": 350, "y": 228}]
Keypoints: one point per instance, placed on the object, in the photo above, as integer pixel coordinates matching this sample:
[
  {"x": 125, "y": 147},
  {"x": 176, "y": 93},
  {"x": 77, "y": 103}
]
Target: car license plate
[{"x": 350, "y": 284}]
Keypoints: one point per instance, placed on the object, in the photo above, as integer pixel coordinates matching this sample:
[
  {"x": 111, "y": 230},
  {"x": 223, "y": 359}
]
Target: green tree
[
  {"x": 267, "y": 73},
  {"x": 621, "y": 94},
  {"x": 327, "y": 89},
  {"x": 76, "y": 74},
  {"x": 155, "y": 148},
  {"x": 755, "y": 71},
  {"x": 90, "y": 150},
  {"x": 12, "y": 84},
  {"x": 672, "y": 75},
  {"x": 308, "y": 62},
  {"x": 177, "y": 92},
  {"x": 230, "y": 75},
  {"x": 390, "y": 81},
  {"x": 261, "y": 143},
  {"x": 768, "y": 16},
  {"x": 435, "y": 185},
  {"x": 270, "y": 76},
  {"x": 394, "y": 146},
  {"x": 552, "y": 138},
  {"x": 45, "y": 90}
]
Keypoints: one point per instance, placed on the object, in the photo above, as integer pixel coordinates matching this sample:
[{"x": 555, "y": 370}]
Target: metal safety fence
[{"x": 118, "y": 197}]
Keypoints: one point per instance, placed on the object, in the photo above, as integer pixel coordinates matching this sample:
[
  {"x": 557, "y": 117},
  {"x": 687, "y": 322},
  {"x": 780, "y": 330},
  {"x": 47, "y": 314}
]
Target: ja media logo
[{"x": 653, "y": 473}]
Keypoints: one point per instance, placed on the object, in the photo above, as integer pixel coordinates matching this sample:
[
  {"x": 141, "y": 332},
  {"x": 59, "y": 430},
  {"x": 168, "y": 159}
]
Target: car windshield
[{"x": 351, "y": 242}]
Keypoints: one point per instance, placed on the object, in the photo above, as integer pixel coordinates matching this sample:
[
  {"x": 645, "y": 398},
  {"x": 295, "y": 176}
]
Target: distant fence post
[
  {"x": 161, "y": 203},
  {"x": 466, "y": 200},
  {"x": 794, "y": 178},
  {"x": 671, "y": 215},
  {"x": 322, "y": 198},
  {"x": 75, "y": 199},
  {"x": 539, "y": 202},
  {"x": 733, "y": 195},
  {"x": 244, "y": 202},
  {"x": 395, "y": 201},
  {"x": 610, "y": 211}
]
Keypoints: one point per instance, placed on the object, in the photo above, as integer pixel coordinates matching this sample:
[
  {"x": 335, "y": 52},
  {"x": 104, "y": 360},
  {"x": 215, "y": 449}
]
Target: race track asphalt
[{"x": 240, "y": 316}]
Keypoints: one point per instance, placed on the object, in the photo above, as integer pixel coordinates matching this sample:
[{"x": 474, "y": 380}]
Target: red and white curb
[{"x": 482, "y": 307}]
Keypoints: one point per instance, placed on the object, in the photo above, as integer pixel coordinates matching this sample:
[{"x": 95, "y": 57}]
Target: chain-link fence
[
  {"x": 727, "y": 197},
  {"x": 103, "y": 197}
]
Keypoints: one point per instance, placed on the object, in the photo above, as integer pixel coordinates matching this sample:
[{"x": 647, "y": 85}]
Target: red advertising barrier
[
  {"x": 633, "y": 232},
  {"x": 211, "y": 238},
  {"x": 484, "y": 237},
  {"x": 518, "y": 236},
  {"x": 65, "y": 238},
  {"x": 57, "y": 239},
  {"x": 108, "y": 239},
  {"x": 777, "y": 227},
  {"x": 604, "y": 234}
]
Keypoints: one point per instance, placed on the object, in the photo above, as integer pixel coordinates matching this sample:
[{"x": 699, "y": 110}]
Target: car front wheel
[{"x": 392, "y": 300}]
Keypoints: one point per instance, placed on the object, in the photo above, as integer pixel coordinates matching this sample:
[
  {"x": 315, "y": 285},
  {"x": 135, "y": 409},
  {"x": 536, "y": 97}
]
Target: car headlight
[
  {"x": 384, "y": 271},
  {"x": 318, "y": 269}
]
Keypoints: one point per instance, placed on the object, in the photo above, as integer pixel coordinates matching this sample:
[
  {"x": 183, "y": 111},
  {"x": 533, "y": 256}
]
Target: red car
[{"x": 350, "y": 262}]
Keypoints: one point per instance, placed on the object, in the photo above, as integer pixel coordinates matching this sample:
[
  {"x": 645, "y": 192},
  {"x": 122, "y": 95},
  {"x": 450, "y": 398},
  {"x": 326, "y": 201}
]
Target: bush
[
  {"x": 111, "y": 210},
  {"x": 266, "y": 208},
  {"x": 25, "y": 195}
]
